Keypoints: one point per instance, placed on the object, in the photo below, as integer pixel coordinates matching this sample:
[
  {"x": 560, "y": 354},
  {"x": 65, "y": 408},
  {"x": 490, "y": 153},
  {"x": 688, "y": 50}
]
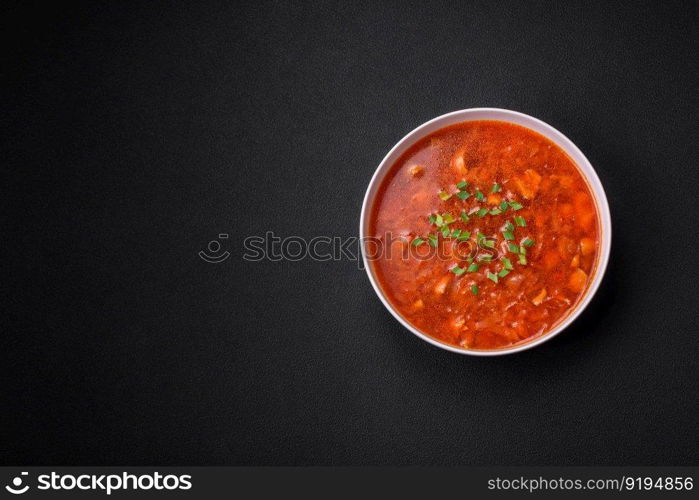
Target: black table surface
[{"x": 134, "y": 134}]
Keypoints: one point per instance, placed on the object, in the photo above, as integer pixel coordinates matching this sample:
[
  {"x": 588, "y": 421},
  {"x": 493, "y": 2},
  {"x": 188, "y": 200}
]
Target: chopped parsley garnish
[
  {"x": 442, "y": 222},
  {"x": 463, "y": 195},
  {"x": 463, "y": 236},
  {"x": 458, "y": 270}
]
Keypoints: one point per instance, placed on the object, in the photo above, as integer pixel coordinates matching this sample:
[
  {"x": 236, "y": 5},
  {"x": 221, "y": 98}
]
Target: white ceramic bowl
[{"x": 529, "y": 122}]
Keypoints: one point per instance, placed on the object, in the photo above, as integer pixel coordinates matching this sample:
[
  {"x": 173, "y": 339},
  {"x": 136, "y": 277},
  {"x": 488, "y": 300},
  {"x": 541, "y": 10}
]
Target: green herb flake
[
  {"x": 458, "y": 270},
  {"x": 496, "y": 188},
  {"x": 484, "y": 257},
  {"x": 523, "y": 259},
  {"x": 479, "y": 196},
  {"x": 463, "y": 236},
  {"x": 444, "y": 196},
  {"x": 417, "y": 242},
  {"x": 445, "y": 231},
  {"x": 519, "y": 220},
  {"x": 482, "y": 212},
  {"x": 465, "y": 217},
  {"x": 432, "y": 219},
  {"x": 456, "y": 233},
  {"x": 432, "y": 239},
  {"x": 513, "y": 248},
  {"x": 448, "y": 218},
  {"x": 509, "y": 227},
  {"x": 508, "y": 235},
  {"x": 503, "y": 273},
  {"x": 474, "y": 289},
  {"x": 492, "y": 277},
  {"x": 462, "y": 185},
  {"x": 495, "y": 211},
  {"x": 507, "y": 263},
  {"x": 463, "y": 195},
  {"x": 503, "y": 205},
  {"x": 515, "y": 205},
  {"x": 472, "y": 268},
  {"x": 527, "y": 242},
  {"x": 438, "y": 220},
  {"x": 489, "y": 243}
]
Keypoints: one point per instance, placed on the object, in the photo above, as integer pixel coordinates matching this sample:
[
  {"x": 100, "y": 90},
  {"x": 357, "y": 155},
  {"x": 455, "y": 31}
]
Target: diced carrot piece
[
  {"x": 494, "y": 199},
  {"x": 418, "y": 305},
  {"x": 576, "y": 261},
  {"x": 587, "y": 246},
  {"x": 416, "y": 170},
  {"x": 511, "y": 334},
  {"x": 441, "y": 286},
  {"x": 551, "y": 259},
  {"x": 585, "y": 220},
  {"x": 566, "y": 209},
  {"x": 534, "y": 177},
  {"x": 528, "y": 183},
  {"x": 566, "y": 247},
  {"x": 457, "y": 322},
  {"x": 539, "y": 297},
  {"x": 582, "y": 202},
  {"x": 521, "y": 330},
  {"x": 577, "y": 280},
  {"x": 458, "y": 163}
]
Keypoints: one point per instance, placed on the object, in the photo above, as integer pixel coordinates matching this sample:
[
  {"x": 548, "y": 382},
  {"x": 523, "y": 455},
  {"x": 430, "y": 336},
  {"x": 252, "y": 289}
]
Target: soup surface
[{"x": 487, "y": 235}]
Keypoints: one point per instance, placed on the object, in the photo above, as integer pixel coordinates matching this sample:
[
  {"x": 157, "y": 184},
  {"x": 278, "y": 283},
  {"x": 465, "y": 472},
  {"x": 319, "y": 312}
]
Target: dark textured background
[{"x": 132, "y": 134}]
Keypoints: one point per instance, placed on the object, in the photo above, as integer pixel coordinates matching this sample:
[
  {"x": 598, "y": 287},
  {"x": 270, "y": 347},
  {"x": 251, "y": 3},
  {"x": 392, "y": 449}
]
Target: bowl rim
[{"x": 524, "y": 120}]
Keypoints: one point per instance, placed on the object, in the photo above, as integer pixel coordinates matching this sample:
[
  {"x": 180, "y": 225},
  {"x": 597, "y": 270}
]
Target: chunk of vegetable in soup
[{"x": 490, "y": 235}]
